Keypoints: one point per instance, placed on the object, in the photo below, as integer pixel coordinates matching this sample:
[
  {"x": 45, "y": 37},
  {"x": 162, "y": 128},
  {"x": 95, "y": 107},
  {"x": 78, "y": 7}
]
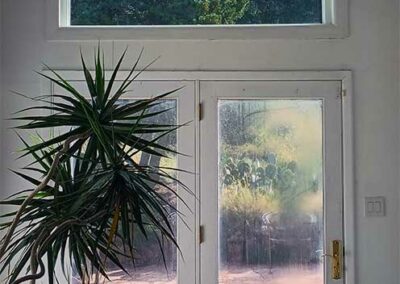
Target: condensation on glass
[
  {"x": 271, "y": 191},
  {"x": 195, "y": 12},
  {"x": 149, "y": 266}
]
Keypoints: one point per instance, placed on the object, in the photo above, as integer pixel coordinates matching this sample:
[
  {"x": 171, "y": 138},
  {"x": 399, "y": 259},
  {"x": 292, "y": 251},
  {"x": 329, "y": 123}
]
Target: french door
[
  {"x": 172, "y": 266},
  {"x": 271, "y": 182},
  {"x": 267, "y": 194},
  {"x": 179, "y": 266}
]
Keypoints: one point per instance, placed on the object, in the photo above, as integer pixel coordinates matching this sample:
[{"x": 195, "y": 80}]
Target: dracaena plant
[{"x": 88, "y": 193}]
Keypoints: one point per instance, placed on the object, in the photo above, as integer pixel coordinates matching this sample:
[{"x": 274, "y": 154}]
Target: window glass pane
[
  {"x": 194, "y": 12},
  {"x": 271, "y": 191},
  {"x": 149, "y": 267}
]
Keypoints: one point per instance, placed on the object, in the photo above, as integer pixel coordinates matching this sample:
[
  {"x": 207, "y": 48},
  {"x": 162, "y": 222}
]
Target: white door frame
[{"x": 344, "y": 77}]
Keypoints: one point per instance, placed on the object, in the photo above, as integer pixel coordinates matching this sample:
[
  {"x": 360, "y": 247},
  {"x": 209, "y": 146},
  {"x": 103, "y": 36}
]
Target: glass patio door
[{"x": 271, "y": 182}]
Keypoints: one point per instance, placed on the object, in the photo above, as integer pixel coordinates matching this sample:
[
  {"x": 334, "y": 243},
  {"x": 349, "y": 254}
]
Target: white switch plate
[{"x": 375, "y": 206}]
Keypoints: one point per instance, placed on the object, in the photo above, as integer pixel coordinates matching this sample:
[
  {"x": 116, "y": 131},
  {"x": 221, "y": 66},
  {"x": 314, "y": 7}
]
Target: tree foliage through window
[{"x": 194, "y": 12}]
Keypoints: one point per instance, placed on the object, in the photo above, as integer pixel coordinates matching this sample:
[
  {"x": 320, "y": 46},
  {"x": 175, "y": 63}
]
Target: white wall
[
  {"x": 1, "y": 74},
  {"x": 371, "y": 52}
]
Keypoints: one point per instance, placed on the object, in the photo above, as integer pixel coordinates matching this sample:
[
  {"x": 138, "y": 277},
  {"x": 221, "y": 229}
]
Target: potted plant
[{"x": 91, "y": 193}]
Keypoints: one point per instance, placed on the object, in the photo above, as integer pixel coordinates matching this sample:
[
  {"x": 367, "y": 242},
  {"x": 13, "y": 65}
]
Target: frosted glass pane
[
  {"x": 149, "y": 267},
  {"x": 271, "y": 191}
]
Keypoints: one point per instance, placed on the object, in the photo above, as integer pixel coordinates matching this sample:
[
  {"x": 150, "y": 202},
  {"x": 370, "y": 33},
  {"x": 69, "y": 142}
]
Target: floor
[{"x": 231, "y": 275}]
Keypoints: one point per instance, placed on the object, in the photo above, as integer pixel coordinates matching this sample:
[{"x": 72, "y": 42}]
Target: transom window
[
  {"x": 195, "y": 12},
  {"x": 196, "y": 19}
]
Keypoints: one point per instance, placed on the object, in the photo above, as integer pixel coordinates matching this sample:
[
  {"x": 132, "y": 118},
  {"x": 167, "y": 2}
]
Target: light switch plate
[{"x": 375, "y": 206}]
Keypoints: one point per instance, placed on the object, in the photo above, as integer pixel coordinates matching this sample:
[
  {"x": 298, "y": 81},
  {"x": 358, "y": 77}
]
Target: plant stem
[
  {"x": 39, "y": 188},
  {"x": 38, "y": 250},
  {"x": 35, "y": 256}
]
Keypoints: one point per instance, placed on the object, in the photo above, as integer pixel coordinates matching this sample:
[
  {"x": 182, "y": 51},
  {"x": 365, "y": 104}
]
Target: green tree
[
  {"x": 189, "y": 12},
  {"x": 283, "y": 12},
  {"x": 132, "y": 12},
  {"x": 220, "y": 12}
]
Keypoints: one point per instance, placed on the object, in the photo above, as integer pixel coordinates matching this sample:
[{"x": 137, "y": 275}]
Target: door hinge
[
  {"x": 200, "y": 111},
  {"x": 344, "y": 93},
  {"x": 201, "y": 234},
  {"x": 337, "y": 260}
]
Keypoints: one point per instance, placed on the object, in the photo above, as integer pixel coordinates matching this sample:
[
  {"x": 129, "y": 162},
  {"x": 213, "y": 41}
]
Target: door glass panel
[
  {"x": 149, "y": 266},
  {"x": 271, "y": 191}
]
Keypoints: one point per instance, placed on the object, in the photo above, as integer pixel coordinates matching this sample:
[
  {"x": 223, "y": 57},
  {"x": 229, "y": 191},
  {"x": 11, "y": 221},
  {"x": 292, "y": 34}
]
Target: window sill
[{"x": 319, "y": 31}]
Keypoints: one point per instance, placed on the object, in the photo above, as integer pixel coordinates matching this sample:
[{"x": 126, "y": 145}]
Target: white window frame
[
  {"x": 335, "y": 25},
  {"x": 344, "y": 77}
]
